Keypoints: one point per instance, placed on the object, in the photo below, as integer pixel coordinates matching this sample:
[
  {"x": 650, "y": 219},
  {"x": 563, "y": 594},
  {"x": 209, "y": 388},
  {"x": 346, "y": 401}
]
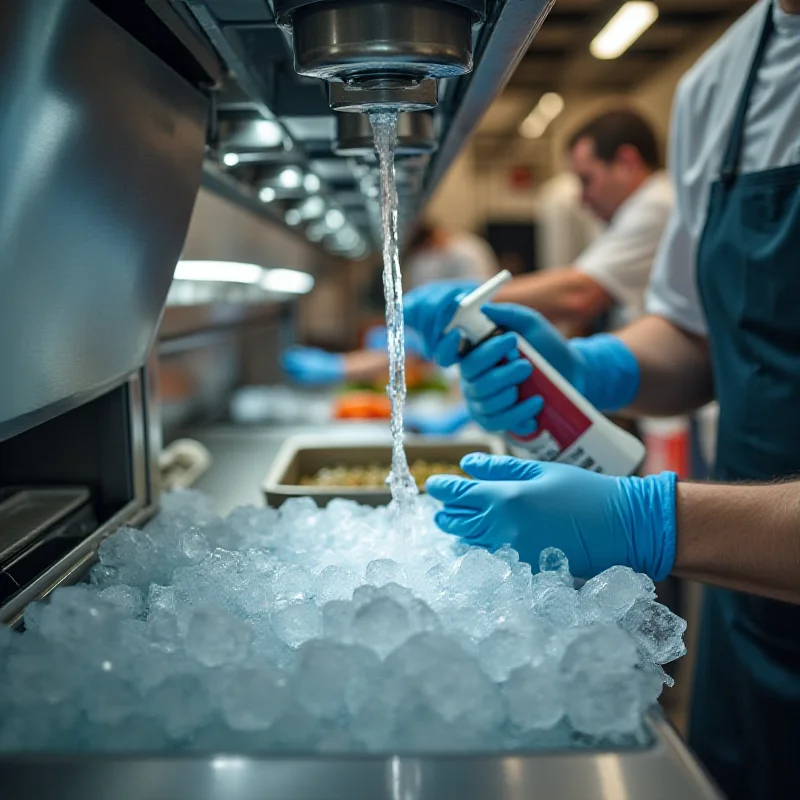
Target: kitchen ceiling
[{"x": 559, "y": 58}]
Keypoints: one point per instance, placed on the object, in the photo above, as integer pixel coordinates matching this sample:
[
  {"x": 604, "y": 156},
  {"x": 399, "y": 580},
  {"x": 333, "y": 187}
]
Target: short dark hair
[{"x": 612, "y": 130}]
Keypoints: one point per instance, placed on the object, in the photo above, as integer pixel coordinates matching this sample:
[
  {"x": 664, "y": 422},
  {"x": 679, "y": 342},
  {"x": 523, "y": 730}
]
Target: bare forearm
[
  {"x": 563, "y": 295},
  {"x": 365, "y": 365},
  {"x": 745, "y": 538},
  {"x": 675, "y": 369}
]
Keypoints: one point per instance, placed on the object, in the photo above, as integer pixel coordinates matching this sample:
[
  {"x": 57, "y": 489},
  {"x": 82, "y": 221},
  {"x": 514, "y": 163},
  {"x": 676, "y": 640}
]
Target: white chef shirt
[
  {"x": 702, "y": 118},
  {"x": 621, "y": 257},
  {"x": 465, "y": 257}
]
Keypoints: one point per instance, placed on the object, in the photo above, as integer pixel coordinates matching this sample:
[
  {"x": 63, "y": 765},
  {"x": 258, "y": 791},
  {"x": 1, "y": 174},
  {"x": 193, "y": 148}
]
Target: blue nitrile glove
[
  {"x": 312, "y": 366},
  {"x": 377, "y": 339},
  {"x": 597, "y": 520},
  {"x": 429, "y": 309},
  {"x": 601, "y": 367},
  {"x": 442, "y": 424}
]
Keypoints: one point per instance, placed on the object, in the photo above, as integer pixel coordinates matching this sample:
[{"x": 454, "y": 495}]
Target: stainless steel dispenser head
[
  {"x": 415, "y": 135},
  {"x": 381, "y": 53}
]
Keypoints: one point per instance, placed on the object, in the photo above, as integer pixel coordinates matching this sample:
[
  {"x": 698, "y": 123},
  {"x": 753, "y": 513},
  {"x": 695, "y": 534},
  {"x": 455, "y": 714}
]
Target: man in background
[{"x": 616, "y": 159}]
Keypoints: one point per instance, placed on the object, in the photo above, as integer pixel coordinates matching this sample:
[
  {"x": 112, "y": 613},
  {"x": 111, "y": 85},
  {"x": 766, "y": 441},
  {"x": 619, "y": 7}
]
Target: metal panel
[
  {"x": 661, "y": 772},
  {"x": 100, "y": 154}
]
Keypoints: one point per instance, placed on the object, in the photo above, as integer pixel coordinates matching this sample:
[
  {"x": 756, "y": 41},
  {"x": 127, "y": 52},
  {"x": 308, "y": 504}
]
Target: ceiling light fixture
[
  {"x": 291, "y": 178},
  {"x": 290, "y": 281},
  {"x": 267, "y": 194},
  {"x": 230, "y": 159},
  {"x": 623, "y": 29},
  {"x": 334, "y": 219},
  {"x": 268, "y": 133},
  {"x": 293, "y": 217},
  {"x": 311, "y": 183},
  {"x": 550, "y": 105},
  {"x": 218, "y": 271}
]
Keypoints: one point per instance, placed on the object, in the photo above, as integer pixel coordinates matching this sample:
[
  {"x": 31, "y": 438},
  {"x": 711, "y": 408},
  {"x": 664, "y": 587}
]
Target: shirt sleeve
[
  {"x": 672, "y": 292},
  {"x": 621, "y": 257}
]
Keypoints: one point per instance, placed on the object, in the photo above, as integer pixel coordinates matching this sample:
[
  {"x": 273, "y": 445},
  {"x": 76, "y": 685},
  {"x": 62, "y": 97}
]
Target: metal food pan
[{"x": 302, "y": 456}]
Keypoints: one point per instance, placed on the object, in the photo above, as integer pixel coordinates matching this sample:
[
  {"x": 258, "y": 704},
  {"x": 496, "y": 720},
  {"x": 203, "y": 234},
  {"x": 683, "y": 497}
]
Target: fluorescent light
[
  {"x": 230, "y": 159},
  {"x": 221, "y": 271},
  {"x": 290, "y": 281},
  {"x": 267, "y": 194},
  {"x": 291, "y": 178},
  {"x": 293, "y": 217},
  {"x": 623, "y": 29},
  {"x": 312, "y": 208},
  {"x": 311, "y": 183},
  {"x": 334, "y": 219},
  {"x": 347, "y": 238},
  {"x": 550, "y": 105},
  {"x": 269, "y": 133}
]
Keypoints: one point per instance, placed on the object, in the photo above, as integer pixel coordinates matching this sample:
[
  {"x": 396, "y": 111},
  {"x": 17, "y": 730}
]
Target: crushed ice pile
[{"x": 332, "y": 630}]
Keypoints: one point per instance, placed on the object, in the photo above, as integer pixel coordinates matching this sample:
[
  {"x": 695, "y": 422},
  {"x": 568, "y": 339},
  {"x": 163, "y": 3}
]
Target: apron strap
[{"x": 730, "y": 163}]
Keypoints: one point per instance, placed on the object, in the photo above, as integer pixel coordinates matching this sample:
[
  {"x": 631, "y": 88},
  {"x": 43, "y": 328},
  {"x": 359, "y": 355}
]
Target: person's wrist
[
  {"x": 652, "y": 521},
  {"x": 608, "y": 373}
]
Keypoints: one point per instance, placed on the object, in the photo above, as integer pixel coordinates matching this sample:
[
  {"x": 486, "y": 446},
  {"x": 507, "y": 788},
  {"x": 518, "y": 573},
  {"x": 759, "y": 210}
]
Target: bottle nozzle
[{"x": 469, "y": 306}]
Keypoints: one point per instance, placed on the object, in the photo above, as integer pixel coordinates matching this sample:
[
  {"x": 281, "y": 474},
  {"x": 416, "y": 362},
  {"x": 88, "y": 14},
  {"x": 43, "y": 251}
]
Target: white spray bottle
[{"x": 570, "y": 429}]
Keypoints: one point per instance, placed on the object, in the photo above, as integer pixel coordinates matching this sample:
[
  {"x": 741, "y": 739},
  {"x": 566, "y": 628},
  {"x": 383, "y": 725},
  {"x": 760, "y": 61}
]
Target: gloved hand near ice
[
  {"x": 599, "y": 521},
  {"x": 313, "y": 366},
  {"x": 343, "y": 629}
]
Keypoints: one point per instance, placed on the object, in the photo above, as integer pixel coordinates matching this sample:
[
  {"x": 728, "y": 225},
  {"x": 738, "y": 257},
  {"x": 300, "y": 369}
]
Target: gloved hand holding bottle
[
  {"x": 522, "y": 378},
  {"x": 597, "y": 520},
  {"x": 600, "y": 367}
]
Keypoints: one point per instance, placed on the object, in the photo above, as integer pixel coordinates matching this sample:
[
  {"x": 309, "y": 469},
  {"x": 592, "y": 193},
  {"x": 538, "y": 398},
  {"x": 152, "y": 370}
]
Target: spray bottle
[{"x": 570, "y": 429}]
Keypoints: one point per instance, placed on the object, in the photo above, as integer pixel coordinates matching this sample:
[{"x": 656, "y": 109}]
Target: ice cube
[
  {"x": 325, "y": 670},
  {"x": 385, "y": 570},
  {"x": 600, "y": 650},
  {"x": 535, "y": 696},
  {"x": 297, "y": 622},
  {"x": 337, "y": 621},
  {"x": 460, "y": 690},
  {"x": 504, "y": 651},
  {"x": 605, "y": 704},
  {"x": 215, "y": 637},
  {"x": 553, "y": 561},
  {"x": 75, "y": 615},
  {"x": 182, "y": 702},
  {"x": 127, "y": 599},
  {"x": 254, "y": 698},
  {"x": 479, "y": 573},
  {"x": 657, "y": 631},
  {"x": 193, "y": 546},
  {"x": 109, "y": 699},
  {"x": 616, "y": 589},
  {"x": 292, "y": 585},
  {"x": 382, "y": 625},
  {"x": 335, "y": 583}
]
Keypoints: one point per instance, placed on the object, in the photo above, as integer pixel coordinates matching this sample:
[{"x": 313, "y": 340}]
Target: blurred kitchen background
[{"x": 298, "y": 211}]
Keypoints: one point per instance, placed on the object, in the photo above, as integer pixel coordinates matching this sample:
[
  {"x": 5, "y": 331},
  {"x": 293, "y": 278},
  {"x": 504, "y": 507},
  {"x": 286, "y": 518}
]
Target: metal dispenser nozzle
[{"x": 381, "y": 53}]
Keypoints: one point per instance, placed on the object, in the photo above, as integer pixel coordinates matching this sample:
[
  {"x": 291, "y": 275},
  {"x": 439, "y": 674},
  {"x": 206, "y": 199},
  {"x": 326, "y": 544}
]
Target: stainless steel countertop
[
  {"x": 242, "y": 455},
  {"x": 665, "y": 771}
]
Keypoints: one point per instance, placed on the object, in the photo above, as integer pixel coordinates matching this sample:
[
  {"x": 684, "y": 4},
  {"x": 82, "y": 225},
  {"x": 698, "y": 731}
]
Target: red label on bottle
[{"x": 559, "y": 418}]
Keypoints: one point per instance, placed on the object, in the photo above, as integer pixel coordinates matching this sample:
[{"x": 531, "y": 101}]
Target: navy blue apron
[{"x": 745, "y": 722}]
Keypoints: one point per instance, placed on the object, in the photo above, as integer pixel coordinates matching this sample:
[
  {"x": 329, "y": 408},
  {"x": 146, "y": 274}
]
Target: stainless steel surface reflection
[
  {"x": 661, "y": 772},
  {"x": 101, "y": 148}
]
